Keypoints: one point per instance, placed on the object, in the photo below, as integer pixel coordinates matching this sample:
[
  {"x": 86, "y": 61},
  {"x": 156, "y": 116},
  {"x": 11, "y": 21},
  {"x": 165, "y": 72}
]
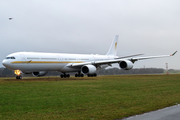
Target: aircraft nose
[{"x": 5, "y": 63}]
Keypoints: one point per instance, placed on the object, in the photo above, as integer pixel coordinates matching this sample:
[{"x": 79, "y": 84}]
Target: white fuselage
[
  {"x": 36, "y": 61},
  {"x": 39, "y": 63}
]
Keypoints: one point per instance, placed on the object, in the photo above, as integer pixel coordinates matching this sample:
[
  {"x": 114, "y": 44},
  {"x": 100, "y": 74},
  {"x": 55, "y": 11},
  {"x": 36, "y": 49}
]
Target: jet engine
[
  {"x": 88, "y": 69},
  {"x": 40, "y": 73},
  {"x": 126, "y": 65}
]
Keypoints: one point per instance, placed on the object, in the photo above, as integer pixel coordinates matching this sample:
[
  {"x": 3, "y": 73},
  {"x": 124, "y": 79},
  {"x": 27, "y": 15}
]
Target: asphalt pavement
[{"x": 168, "y": 113}]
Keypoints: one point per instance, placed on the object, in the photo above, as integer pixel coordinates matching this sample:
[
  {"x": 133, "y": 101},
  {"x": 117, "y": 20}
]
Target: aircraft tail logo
[
  {"x": 115, "y": 45},
  {"x": 113, "y": 48}
]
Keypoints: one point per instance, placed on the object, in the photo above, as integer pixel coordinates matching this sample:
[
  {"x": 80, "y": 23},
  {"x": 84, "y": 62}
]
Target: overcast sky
[{"x": 151, "y": 27}]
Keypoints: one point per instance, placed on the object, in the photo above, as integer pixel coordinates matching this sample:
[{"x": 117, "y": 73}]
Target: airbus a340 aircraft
[{"x": 39, "y": 64}]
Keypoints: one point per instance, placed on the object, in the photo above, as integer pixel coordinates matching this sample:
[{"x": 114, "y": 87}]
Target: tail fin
[{"x": 113, "y": 49}]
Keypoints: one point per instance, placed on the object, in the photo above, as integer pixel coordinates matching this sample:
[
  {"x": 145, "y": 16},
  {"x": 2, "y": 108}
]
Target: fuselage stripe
[{"x": 46, "y": 62}]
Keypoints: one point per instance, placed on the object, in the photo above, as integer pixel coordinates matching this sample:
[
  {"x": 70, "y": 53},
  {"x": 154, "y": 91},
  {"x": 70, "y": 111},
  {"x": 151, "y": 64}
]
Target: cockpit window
[{"x": 10, "y": 57}]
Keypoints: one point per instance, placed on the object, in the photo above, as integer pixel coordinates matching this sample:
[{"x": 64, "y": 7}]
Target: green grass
[{"x": 105, "y": 97}]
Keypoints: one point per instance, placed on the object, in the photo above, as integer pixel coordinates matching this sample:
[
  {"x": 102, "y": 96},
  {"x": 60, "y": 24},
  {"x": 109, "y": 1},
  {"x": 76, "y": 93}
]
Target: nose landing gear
[
  {"x": 18, "y": 74},
  {"x": 19, "y": 77}
]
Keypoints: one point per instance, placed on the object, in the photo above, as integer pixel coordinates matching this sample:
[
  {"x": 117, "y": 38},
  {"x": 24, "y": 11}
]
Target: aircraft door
[{"x": 60, "y": 60}]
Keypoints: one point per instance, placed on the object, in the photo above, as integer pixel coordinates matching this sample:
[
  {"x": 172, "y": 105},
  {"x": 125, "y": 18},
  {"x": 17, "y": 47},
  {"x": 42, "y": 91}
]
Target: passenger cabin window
[{"x": 10, "y": 57}]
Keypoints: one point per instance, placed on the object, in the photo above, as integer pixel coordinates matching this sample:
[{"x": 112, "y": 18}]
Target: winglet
[{"x": 173, "y": 53}]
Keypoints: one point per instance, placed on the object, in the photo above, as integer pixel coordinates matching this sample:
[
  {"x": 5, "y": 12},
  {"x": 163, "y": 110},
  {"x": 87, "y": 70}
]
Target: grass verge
[{"x": 105, "y": 97}]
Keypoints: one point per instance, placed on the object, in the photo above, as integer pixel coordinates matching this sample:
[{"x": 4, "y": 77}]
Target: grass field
[{"x": 105, "y": 97}]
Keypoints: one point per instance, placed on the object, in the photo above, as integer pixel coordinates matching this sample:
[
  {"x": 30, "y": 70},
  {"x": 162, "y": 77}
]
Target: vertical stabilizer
[{"x": 113, "y": 49}]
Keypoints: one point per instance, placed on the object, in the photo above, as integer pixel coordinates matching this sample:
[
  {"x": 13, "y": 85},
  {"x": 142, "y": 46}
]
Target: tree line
[
  {"x": 116, "y": 71},
  {"x": 4, "y": 72}
]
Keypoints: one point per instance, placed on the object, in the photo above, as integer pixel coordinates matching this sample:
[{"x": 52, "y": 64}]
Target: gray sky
[{"x": 151, "y": 27}]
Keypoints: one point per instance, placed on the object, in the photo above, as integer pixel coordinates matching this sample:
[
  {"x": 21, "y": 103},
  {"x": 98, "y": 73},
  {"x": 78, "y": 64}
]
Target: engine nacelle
[
  {"x": 88, "y": 69},
  {"x": 126, "y": 65},
  {"x": 40, "y": 73}
]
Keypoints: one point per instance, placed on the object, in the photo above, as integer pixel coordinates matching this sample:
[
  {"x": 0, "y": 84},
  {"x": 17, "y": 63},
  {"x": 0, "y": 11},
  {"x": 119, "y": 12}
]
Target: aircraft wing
[
  {"x": 96, "y": 63},
  {"x": 151, "y": 57},
  {"x": 129, "y": 56},
  {"x": 116, "y": 60}
]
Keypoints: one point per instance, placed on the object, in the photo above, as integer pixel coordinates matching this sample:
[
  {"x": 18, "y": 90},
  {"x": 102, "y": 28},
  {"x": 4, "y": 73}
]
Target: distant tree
[
  {"x": 113, "y": 71},
  {"x": 7, "y": 72},
  {"x": 1, "y": 69},
  {"x": 171, "y": 70}
]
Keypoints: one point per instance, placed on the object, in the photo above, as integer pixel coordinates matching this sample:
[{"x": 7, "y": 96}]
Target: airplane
[{"x": 39, "y": 63}]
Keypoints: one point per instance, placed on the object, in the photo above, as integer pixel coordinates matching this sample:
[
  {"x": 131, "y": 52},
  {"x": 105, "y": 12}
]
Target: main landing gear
[
  {"x": 82, "y": 75},
  {"x": 92, "y": 75},
  {"x": 79, "y": 75},
  {"x": 65, "y": 75},
  {"x": 19, "y": 77}
]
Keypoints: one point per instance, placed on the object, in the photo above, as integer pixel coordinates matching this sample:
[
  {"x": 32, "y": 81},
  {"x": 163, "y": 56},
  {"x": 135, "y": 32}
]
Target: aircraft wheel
[
  {"x": 65, "y": 75},
  {"x": 95, "y": 75},
  {"x": 82, "y": 75},
  {"x": 19, "y": 77},
  {"x": 62, "y": 75},
  {"x": 77, "y": 75},
  {"x": 92, "y": 75},
  {"x": 68, "y": 75}
]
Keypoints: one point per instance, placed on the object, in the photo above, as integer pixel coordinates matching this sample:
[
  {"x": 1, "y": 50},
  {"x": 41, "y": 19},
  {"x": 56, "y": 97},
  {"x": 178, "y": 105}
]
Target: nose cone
[{"x": 5, "y": 63}]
